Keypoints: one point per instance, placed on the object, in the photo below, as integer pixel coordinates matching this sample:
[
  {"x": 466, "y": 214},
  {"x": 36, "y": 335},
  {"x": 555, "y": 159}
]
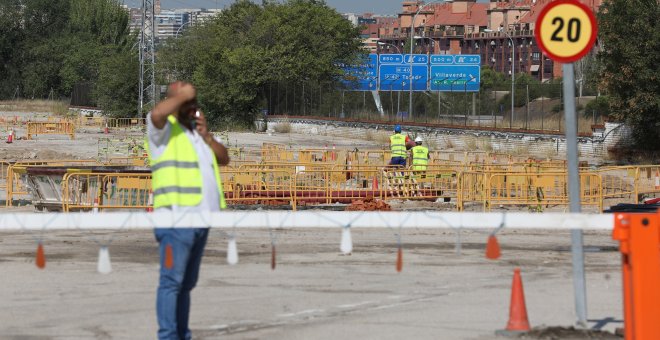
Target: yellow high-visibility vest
[
  {"x": 420, "y": 157},
  {"x": 176, "y": 178},
  {"x": 398, "y": 145}
]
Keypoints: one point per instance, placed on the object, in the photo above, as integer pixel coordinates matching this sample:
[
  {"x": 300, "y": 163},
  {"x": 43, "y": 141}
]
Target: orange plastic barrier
[{"x": 639, "y": 235}]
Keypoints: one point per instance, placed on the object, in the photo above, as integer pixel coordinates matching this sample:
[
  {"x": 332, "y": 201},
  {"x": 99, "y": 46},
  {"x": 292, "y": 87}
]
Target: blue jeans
[
  {"x": 175, "y": 284},
  {"x": 398, "y": 161}
]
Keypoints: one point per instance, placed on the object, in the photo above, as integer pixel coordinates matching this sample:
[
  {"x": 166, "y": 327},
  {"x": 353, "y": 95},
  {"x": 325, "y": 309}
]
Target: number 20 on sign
[{"x": 566, "y": 30}]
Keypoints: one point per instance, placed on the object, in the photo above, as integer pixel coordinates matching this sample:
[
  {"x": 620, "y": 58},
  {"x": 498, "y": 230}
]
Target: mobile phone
[{"x": 194, "y": 122}]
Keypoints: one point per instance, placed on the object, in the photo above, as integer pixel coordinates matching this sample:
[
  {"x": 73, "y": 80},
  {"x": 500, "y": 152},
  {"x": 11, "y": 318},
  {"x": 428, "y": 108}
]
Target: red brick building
[{"x": 462, "y": 27}]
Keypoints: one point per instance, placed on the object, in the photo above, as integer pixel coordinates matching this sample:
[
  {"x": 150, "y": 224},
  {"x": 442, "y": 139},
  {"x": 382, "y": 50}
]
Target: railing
[
  {"x": 50, "y": 128},
  {"x": 15, "y": 186},
  {"x": 105, "y": 191},
  {"x": 4, "y": 165},
  {"x": 126, "y": 123},
  {"x": 469, "y": 181},
  {"x": 539, "y": 191},
  {"x": 647, "y": 180},
  {"x": 249, "y": 187}
]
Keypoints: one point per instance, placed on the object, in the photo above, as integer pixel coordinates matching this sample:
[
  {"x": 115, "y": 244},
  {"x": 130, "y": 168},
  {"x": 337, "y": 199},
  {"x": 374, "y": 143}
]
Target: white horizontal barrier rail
[{"x": 304, "y": 219}]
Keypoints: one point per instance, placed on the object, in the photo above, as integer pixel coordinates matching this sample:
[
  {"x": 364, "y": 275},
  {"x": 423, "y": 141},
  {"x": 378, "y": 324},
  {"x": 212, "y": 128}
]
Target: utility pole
[{"x": 147, "y": 89}]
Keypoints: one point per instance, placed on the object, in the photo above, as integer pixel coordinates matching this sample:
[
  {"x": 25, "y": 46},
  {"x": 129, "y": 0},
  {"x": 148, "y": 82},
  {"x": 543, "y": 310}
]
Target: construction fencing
[
  {"x": 475, "y": 183},
  {"x": 105, "y": 191},
  {"x": 50, "y": 128},
  {"x": 637, "y": 234},
  {"x": 84, "y": 191}
]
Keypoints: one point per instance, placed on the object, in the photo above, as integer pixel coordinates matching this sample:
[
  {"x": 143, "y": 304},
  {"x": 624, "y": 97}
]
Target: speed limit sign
[{"x": 566, "y": 30}]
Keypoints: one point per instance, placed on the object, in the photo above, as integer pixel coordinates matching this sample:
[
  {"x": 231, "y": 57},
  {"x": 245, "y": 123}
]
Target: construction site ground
[{"x": 314, "y": 292}]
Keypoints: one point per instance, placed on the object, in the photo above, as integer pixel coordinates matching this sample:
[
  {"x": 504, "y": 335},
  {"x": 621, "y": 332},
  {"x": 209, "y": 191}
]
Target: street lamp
[
  {"x": 412, "y": 44},
  {"x": 433, "y": 41},
  {"x": 380, "y": 43},
  {"x": 513, "y": 73},
  {"x": 176, "y": 35}
]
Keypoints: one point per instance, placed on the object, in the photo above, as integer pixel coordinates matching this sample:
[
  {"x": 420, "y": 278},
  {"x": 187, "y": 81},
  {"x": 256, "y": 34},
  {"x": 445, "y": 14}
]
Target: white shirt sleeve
[{"x": 157, "y": 138}]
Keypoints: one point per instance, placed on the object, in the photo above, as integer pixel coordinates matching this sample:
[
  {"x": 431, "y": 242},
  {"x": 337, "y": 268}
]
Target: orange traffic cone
[
  {"x": 657, "y": 179},
  {"x": 518, "y": 322},
  {"x": 374, "y": 183},
  {"x": 492, "y": 248},
  {"x": 106, "y": 130},
  {"x": 40, "y": 259},
  {"x": 10, "y": 137}
]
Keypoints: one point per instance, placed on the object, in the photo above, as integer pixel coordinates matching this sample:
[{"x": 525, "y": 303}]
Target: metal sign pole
[{"x": 579, "y": 282}]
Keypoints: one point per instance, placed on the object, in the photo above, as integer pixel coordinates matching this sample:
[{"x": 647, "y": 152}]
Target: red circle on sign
[{"x": 587, "y": 48}]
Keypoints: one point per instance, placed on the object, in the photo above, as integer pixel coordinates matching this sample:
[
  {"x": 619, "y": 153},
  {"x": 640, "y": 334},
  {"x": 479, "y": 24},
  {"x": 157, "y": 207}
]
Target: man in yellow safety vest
[
  {"x": 184, "y": 158},
  {"x": 398, "y": 147},
  {"x": 420, "y": 155}
]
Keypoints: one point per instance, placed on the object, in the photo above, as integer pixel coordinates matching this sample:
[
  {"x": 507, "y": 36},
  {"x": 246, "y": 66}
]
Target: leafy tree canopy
[
  {"x": 48, "y": 46},
  {"x": 233, "y": 58},
  {"x": 630, "y": 41}
]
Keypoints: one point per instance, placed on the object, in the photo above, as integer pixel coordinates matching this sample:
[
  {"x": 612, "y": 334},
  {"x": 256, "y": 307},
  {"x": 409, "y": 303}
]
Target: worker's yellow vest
[
  {"x": 420, "y": 157},
  {"x": 398, "y": 145},
  {"x": 175, "y": 176}
]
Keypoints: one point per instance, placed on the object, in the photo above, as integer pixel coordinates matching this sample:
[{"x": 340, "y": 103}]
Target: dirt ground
[
  {"x": 314, "y": 293},
  {"x": 86, "y": 143}
]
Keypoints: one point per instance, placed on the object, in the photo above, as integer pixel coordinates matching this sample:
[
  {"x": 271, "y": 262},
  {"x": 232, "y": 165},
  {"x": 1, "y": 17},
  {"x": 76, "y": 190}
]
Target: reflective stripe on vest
[
  {"x": 180, "y": 190},
  {"x": 398, "y": 145},
  {"x": 420, "y": 157},
  {"x": 176, "y": 177}
]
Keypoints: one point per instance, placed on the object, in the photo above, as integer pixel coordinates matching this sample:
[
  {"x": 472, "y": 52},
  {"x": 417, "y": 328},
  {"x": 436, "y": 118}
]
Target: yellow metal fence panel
[
  {"x": 648, "y": 180},
  {"x": 105, "y": 191},
  {"x": 50, "y": 128},
  {"x": 540, "y": 191}
]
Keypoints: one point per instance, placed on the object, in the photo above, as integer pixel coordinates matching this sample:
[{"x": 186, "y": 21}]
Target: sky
[{"x": 384, "y": 7}]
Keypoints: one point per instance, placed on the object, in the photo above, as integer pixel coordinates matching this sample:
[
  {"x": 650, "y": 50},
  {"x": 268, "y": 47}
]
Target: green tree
[
  {"x": 234, "y": 58},
  {"x": 116, "y": 92},
  {"x": 52, "y": 45},
  {"x": 630, "y": 38},
  {"x": 598, "y": 107},
  {"x": 491, "y": 79},
  {"x": 523, "y": 82}
]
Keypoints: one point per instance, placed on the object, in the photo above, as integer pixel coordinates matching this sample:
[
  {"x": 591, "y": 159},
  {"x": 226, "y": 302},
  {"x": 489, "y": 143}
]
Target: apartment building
[
  {"x": 495, "y": 30},
  {"x": 170, "y": 23}
]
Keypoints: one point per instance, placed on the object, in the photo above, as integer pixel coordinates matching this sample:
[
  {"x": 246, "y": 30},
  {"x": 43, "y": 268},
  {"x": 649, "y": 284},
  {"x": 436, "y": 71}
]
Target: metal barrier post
[{"x": 640, "y": 257}]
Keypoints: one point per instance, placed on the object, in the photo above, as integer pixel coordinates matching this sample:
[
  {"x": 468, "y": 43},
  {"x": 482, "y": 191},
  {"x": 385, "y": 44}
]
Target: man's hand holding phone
[{"x": 199, "y": 124}]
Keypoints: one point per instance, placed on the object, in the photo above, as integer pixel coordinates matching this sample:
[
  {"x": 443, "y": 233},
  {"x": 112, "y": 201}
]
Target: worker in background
[
  {"x": 184, "y": 158},
  {"x": 398, "y": 147},
  {"x": 420, "y": 155}
]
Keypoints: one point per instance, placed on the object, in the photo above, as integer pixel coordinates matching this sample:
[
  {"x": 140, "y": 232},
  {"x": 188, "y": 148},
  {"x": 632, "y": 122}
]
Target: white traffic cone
[
  {"x": 150, "y": 202},
  {"x": 232, "y": 252},
  {"x": 104, "y": 266},
  {"x": 346, "y": 245}
]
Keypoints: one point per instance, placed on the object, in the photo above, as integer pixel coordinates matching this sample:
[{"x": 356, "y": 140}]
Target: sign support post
[
  {"x": 577, "y": 250},
  {"x": 566, "y": 31}
]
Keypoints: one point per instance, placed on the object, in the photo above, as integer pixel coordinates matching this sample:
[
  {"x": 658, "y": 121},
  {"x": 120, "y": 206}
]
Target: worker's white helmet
[{"x": 419, "y": 139}]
